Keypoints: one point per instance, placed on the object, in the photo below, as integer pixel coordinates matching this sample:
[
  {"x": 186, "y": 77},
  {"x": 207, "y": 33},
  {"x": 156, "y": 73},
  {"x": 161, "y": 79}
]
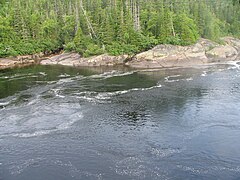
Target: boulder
[
  {"x": 74, "y": 59},
  {"x": 66, "y": 59},
  {"x": 234, "y": 43},
  {"x": 204, "y": 51},
  {"x": 170, "y": 56},
  {"x": 103, "y": 60},
  {"x": 222, "y": 53},
  {"x": 7, "y": 62},
  {"x": 10, "y": 63}
]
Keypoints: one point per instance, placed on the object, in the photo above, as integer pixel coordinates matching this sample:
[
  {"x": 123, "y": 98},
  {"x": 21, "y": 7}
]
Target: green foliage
[
  {"x": 92, "y": 27},
  {"x": 117, "y": 49},
  {"x": 92, "y": 49},
  {"x": 7, "y": 50},
  {"x": 84, "y": 45},
  {"x": 235, "y": 29},
  {"x": 186, "y": 30}
]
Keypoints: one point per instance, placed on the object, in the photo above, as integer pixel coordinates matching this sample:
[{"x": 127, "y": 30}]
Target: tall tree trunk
[
  {"x": 172, "y": 25},
  {"x": 138, "y": 25},
  {"x": 90, "y": 27},
  {"x": 135, "y": 13},
  {"x": 77, "y": 17}
]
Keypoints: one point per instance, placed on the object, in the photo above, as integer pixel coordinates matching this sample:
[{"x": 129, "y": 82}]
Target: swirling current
[{"x": 100, "y": 123}]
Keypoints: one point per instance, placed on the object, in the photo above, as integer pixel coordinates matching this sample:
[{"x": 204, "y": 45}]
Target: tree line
[{"x": 92, "y": 27}]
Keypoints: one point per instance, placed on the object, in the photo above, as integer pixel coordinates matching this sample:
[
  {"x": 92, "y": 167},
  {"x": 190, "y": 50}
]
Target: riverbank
[
  {"x": 161, "y": 56},
  {"x": 21, "y": 61}
]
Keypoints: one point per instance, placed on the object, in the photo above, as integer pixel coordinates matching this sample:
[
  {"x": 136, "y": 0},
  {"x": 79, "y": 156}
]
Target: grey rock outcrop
[
  {"x": 74, "y": 59},
  {"x": 203, "y": 52},
  {"x": 20, "y": 61}
]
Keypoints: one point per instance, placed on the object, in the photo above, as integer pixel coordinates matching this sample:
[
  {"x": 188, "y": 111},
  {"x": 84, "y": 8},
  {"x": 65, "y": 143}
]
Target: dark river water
[{"x": 62, "y": 123}]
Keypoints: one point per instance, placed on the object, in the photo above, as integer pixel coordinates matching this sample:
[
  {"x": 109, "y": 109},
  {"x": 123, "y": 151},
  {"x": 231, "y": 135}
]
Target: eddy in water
[{"x": 67, "y": 123}]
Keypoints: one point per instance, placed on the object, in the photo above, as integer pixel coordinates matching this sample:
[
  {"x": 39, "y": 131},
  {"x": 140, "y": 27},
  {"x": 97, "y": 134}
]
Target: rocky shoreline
[
  {"x": 21, "y": 61},
  {"x": 161, "y": 56}
]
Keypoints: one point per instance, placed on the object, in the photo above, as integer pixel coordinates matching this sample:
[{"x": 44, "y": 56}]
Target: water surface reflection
[{"x": 66, "y": 123}]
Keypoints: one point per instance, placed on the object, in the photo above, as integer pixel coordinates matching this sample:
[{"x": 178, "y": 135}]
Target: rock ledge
[{"x": 161, "y": 56}]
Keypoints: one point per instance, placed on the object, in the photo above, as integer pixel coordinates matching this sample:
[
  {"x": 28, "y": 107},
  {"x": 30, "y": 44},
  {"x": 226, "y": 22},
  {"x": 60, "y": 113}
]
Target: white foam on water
[
  {"x": 174, "y": 80},
  {"x": 91, "y": 99},
  {"x": 193, "y": 170},
  {"x": 149, "y": 70},
  {"x": 16, "y": 78},
  {"x": 17, "y": 169},
  {"x": 92, "y": 96},
  {"x": 35, "y": 100},
  {"x": 63, "y": 81},
  {"x": 34, "y": 125},
  {"x": 189, "y": 79},
  {"x": 43, "y": 73},
  {"x": 206, "y": 171},
  {"x": 167, "y": 79},
  {"x": 108, "y": 95},
  {"x": 75, "y": 172},
  {"x": 68, "y": 124},
  {"x": 173, "y": 76},
  {"x": 145, "y": 89},
  {"x": 113, "y": 73},
  {"x": 79, "y": 77},
  {"x": 64, "y": 75},
  {"x": 89, "y": 96},
  {"x": 220, "y": 70},
  {"x": 34, "y": 134},
  {"x": 51, "y": 82},
  {"x": 5, "y": 77},
  {"x": 131, "y": 166},
  {"x": 204, "y": 73},
  {"x": 86, "y": 93},
  {"x": 56, "y": 92},
  {"x": 164, "y": 152},
  {"x": 5, "y": 103},
  {"x": 235, "y": 64},
  {"x": 231, "y": 169},
  {"x": 37, "y": 133},
  {"x": 61, "y": 96}
]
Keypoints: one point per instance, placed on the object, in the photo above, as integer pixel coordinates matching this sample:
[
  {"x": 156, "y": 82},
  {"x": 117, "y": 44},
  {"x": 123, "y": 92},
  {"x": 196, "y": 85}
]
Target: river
[{"x": 71, "y": 123}]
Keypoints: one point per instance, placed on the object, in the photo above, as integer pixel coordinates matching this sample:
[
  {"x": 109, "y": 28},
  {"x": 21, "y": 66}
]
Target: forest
[{"x": 92, "y": 27}]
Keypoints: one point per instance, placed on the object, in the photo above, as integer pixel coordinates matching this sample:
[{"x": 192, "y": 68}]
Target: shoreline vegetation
[
  {"x": 161, "y": 56},
  {"x": 98, "y": 30}
]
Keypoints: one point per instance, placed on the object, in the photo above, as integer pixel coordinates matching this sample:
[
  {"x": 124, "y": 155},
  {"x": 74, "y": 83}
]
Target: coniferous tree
[{"x": 115, "y": 26}]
